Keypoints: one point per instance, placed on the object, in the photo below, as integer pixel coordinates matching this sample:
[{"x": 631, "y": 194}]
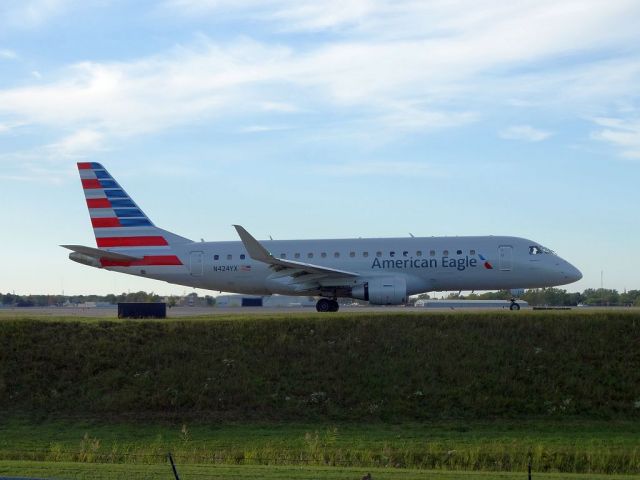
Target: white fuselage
[{"x": 426, "y": 264}]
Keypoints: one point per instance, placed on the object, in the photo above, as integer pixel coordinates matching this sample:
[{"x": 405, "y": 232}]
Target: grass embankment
[{"x": 340, "y": 367}]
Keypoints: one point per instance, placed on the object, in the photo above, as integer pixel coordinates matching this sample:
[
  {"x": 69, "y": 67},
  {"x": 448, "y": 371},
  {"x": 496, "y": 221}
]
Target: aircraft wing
[
  {"x": 97, "y": 253},
  {"x": 300, "y": 270}
]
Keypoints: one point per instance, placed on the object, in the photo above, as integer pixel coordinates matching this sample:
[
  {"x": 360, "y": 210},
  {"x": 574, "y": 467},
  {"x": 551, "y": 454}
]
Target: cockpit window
[{"x": 538, "y": 250}]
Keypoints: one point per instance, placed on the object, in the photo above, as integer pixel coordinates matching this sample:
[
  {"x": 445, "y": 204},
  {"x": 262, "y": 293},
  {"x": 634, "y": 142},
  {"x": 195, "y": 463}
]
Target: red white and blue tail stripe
[{"x": 120, "y": 225}]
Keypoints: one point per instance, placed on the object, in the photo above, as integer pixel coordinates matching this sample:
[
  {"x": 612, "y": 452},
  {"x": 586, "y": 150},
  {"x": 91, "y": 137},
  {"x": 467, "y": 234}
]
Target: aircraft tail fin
[{"x": 118, "y": 222}]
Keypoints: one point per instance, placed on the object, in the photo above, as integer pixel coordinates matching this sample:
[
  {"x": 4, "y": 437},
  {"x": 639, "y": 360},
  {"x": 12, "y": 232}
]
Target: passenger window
[
  {"x": 445, "y": 253},
  {"x": 297, "y": 255},
  {"x": 216, "y": 257},
  {"x": 352, "y": 254},
  {"x": 459, "y": 252},
  {"x": 392, "y": 253},
  {"x": 242, "y": 257},
  {"x": 432, "y": 253},
  {"x": 309, "y": 255},
  {"x": 323, "y": 254},
  {"x": 283, "y": 255},
  {"x": 337, "y": 254},
  {"x": 365, "y": 254},
  {"x": 378, "y": 254},
  {"x": 419, "y": 253},
  {"x": 472, "y": 252},
  {"x": 405, "y": 254},
  {"x": 229, "y": 257}
]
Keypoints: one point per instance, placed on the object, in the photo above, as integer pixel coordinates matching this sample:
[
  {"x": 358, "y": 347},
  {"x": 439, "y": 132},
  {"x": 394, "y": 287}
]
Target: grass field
[
  {"x": 553, "y": 446},
  {"x": 100, "y": 471}
]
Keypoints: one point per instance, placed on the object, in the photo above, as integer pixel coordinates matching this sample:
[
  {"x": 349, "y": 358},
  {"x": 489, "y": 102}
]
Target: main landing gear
[
  {"x": 514, "y": 305},
  {"x": 326, "y": 305}
]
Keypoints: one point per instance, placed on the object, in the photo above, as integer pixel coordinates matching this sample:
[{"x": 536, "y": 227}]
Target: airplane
[{"x": 382, "y": 271}]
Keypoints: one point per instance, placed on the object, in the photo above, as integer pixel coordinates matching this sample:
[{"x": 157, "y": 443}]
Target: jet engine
[{"x": 382, "y": 291}]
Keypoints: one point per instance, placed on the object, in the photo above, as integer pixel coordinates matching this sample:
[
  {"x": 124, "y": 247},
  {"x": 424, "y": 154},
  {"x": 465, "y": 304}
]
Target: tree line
[
  {"x": 13, "y": 300},
  {"x": 600, "y": 297},
  {"x": 535, "y": 296}
]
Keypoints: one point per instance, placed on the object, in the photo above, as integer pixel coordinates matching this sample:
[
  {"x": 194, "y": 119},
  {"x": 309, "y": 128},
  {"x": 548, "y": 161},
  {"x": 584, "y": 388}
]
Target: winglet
[{"x": 254, "y": 248}]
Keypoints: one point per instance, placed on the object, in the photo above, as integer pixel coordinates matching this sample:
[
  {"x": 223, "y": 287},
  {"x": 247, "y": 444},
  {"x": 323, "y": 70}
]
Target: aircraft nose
[{"x": 571, "y": 273}]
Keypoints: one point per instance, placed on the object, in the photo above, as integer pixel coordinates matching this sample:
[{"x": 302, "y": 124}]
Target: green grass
[
  {"x": 99, "y": 471},
  {"x": 567, "y": 446}
]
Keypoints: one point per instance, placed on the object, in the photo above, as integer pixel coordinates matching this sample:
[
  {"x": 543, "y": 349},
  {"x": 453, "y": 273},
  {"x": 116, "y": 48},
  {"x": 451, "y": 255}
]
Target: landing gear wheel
[
  {"x": 334, "y": 306},
  {"x": 514, "y": 306},
  {"x": 326, "y": 305},
  {"x": 323, "y": 305}
]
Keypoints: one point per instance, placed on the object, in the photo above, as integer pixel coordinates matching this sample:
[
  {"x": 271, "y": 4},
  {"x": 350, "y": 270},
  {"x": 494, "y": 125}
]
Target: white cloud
[
  {"x": 397, "y": 67},
  {"x": 8, "y": 54},
  {"x": 410, "y": 116},
  {"x": 399, "y": 84},
  {"x": 9, "y": 126},
  {"x": 270, "y": 106},
  {"x": 148, "y": 94},
  {"x": 27, "y": 171},
  {"x": 77, "y": 144},
  {"x": 540, "y": 20},
  {"x": 317, "y": 16},
  {"x": 23, "y": 14},
  {"x": 525, "y": 133},
  {"x": 263, "y": 128},
  {"x": 380, "y": 168},
  {"x": 302, "y": 15},
  {"x": 624, "y": 134},
  {"x": 21, "y": 178}
]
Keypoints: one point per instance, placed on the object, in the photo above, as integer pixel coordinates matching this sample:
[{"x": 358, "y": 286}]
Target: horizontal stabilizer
[{"x": 98, "y": 253}]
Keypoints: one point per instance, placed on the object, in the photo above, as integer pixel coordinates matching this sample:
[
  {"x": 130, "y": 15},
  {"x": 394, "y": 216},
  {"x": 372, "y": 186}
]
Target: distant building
[
  {"x": 453, "y": 304},
  {"x": 274, "y": 301},
  {"x": 190, "y": 300},
  {"x": 288, "y": 301},
  {"x": 88, "y": 305}
]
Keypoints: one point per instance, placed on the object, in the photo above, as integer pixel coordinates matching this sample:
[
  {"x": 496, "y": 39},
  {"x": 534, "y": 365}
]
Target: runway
[{"x": 177, "y": 312}]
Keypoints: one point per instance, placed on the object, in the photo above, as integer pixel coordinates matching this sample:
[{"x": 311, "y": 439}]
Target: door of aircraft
[
  {"x": 196, "y": 264},
  {"x": 505, "y": 254}
]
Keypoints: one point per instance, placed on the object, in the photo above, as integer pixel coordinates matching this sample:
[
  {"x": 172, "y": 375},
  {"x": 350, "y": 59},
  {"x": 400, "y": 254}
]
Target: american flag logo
[
  {"x": 487, "y": 265},
  {"x": 245, "y": 268}
]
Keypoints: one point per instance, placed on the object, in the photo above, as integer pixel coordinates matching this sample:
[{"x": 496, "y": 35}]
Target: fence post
[
  {"x": 529, "y": 467},
  {"x": 173, "y": 466}
]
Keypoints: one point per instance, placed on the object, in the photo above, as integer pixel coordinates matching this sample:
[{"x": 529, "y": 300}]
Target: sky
[{"x": 333, "y": 119}]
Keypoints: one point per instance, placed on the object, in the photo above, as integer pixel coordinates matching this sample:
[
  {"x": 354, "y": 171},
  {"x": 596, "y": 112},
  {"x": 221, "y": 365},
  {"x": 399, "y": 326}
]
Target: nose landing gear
[{"x": 327, "y": 305}]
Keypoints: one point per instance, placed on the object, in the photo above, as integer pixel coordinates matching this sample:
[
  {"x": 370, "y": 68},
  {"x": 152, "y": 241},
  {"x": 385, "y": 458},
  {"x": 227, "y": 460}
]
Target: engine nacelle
[{"x": 382, "y": 291}]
